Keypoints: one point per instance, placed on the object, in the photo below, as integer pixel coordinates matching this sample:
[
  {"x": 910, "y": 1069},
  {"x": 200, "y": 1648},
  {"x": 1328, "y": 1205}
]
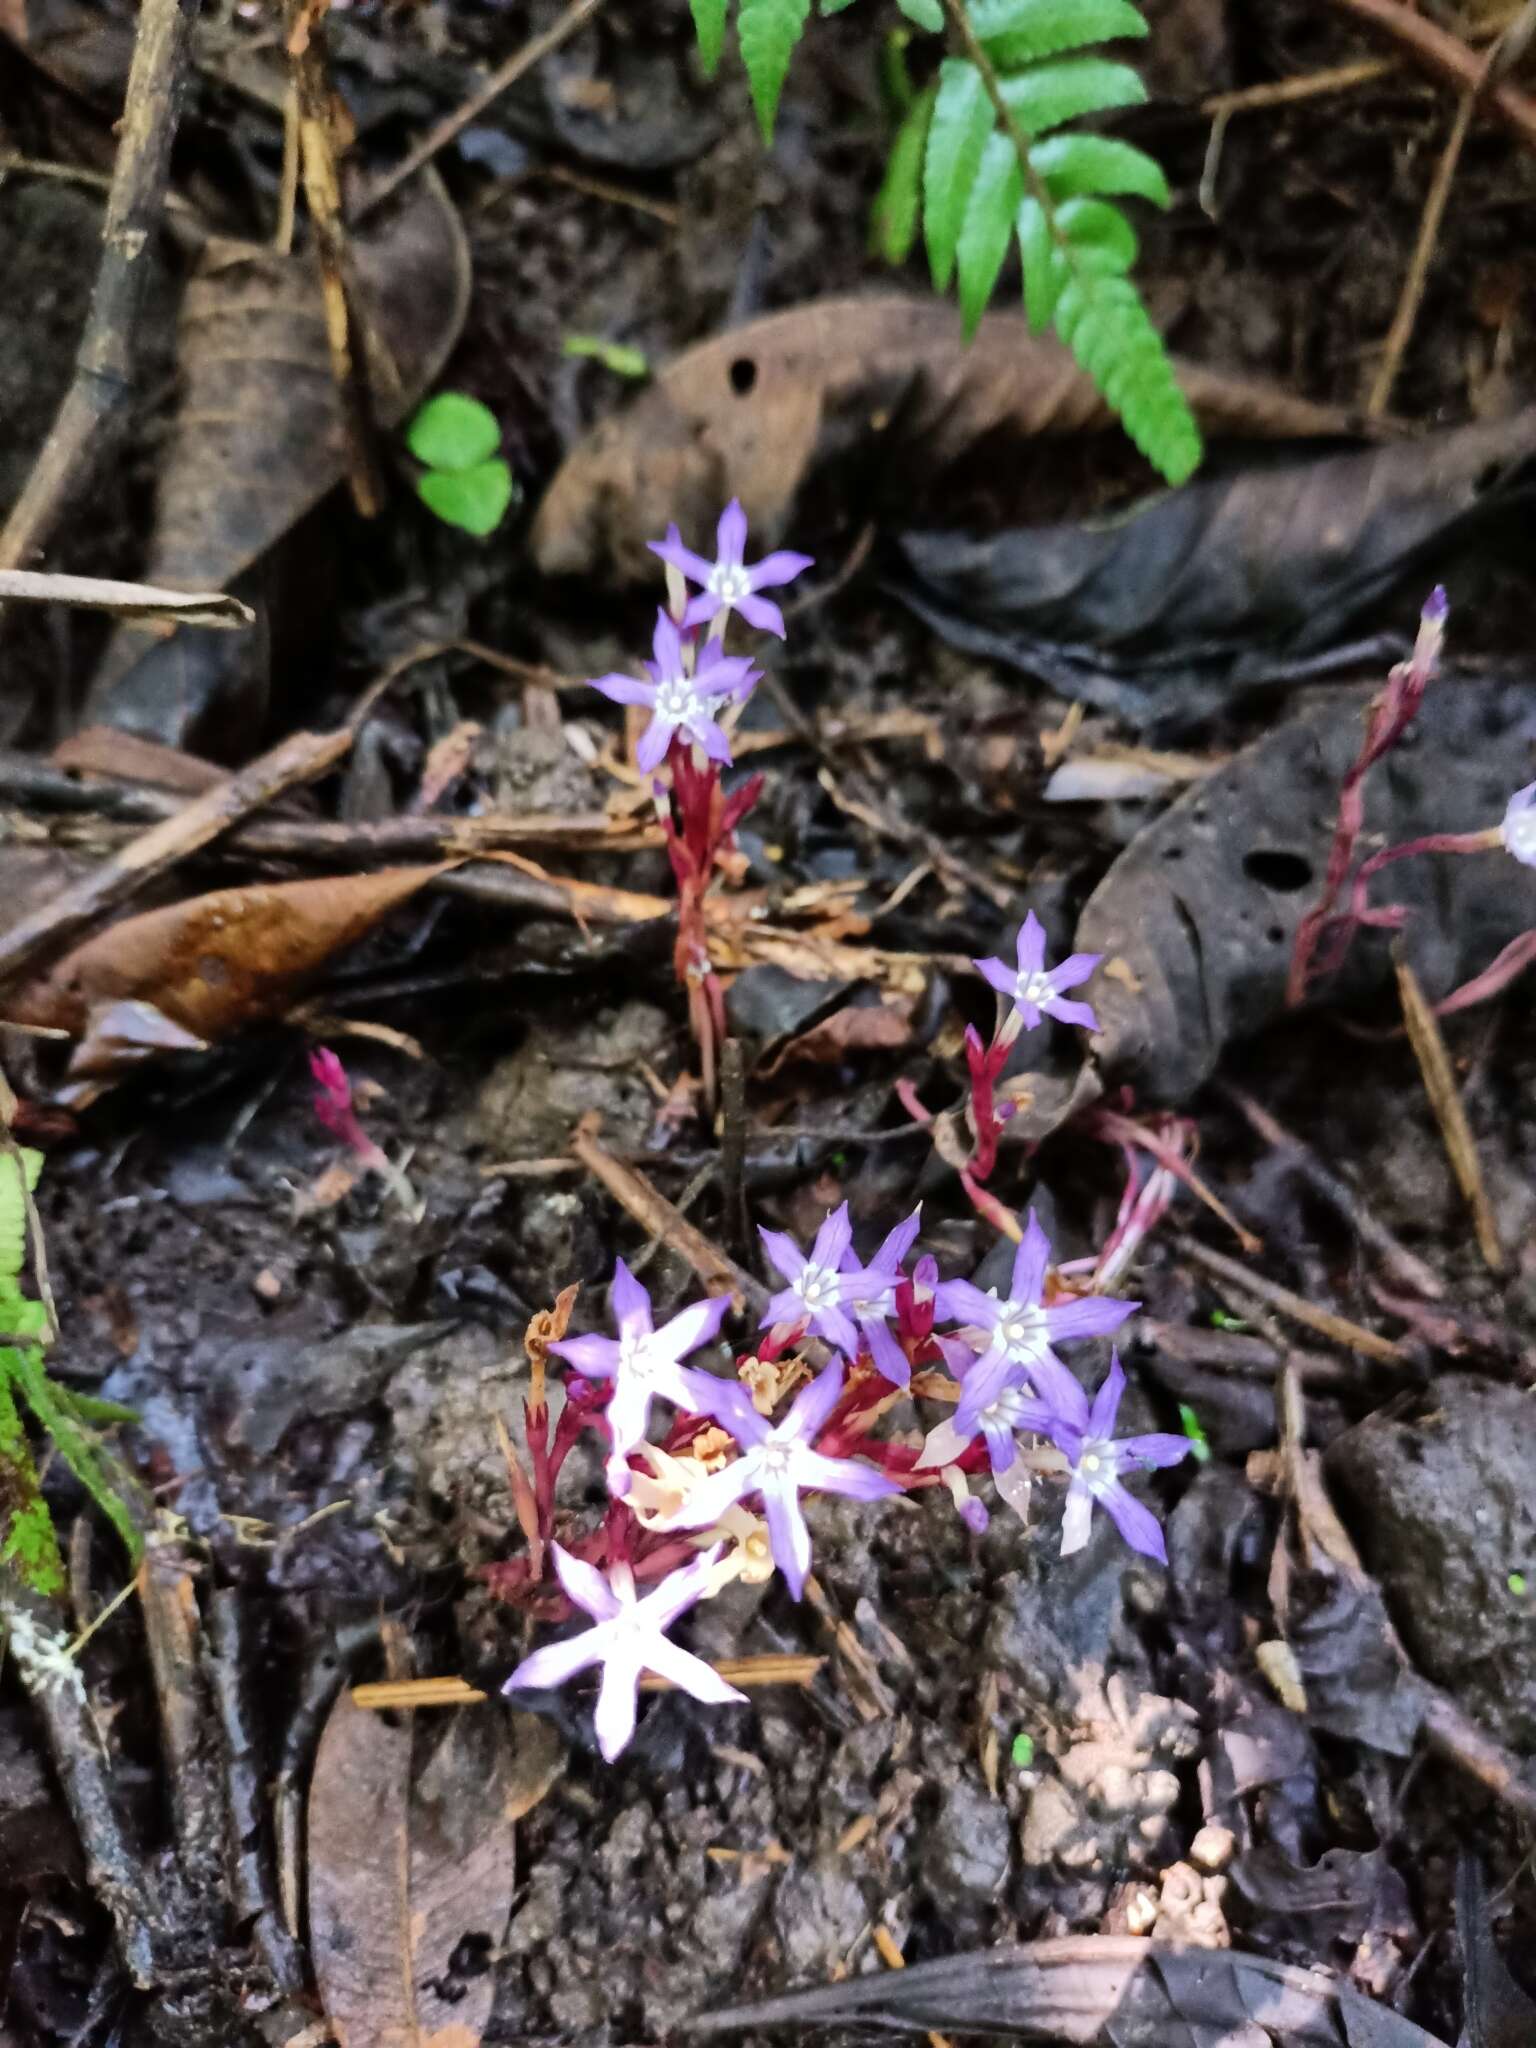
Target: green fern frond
[
  {"x": 102, "y": 1477},
  {"x": 28, "y": 1544},
  {"x": 1015, "y": 32},
  {"x": 709, "y": 27},
  {"x": 768, "y": 31},
  {"x": 894, "y": 217}
]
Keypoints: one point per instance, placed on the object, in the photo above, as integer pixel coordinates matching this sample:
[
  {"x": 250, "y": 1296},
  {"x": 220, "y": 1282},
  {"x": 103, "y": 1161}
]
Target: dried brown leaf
[
  {"x": 885, "y": 1026},
  {"x": 214, "y": 962},
  {"x": 408, "y": 1879},
  {"x": 751, "y": 413}
]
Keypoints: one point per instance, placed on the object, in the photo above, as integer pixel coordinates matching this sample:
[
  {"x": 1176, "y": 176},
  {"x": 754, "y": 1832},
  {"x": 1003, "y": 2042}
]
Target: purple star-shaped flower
[
  {"x": 1034, "y": 989},
  {"x": 629, "y": 1637},
  {"x": 779, "y": 1463},
  {"x": 642, "y": 1363},
  {"x": 819, "y": 1286},
  {"x": 679, "y": 702},
  {"x": 875, "y": 1298},
  {"x": 727, "y": 584},
  {"x": 1518, "y": 830},
  {"x": 1097, "y": 1458},
  {"x": 1021, "y": 1331}
]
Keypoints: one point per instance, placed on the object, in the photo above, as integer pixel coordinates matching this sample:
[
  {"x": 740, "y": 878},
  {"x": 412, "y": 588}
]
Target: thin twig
[
  {"x": 1400, "y": 333},
  {"x": 1338, "y": 1329},
  {"x": 454, "y": 125},
  {"x": 663, "y": 1219},
  {"x": 103, "y": 377},
  {"x": 1450, "y": 1112},
  {"x": 1448, "y": 58}
]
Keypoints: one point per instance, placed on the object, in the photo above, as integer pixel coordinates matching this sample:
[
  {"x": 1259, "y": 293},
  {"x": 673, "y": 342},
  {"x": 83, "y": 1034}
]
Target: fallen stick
[
  {"x": 1448, "y": 58},
  {"x": 49, "y": 931},
  {"x": 661, "y": 1219},
  {"x": 1339, "y": 1329}
]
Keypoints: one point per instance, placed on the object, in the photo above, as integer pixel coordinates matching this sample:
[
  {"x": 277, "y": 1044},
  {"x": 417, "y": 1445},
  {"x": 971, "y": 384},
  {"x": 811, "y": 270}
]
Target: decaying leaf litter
[{"x": 1278, "y": 1750}]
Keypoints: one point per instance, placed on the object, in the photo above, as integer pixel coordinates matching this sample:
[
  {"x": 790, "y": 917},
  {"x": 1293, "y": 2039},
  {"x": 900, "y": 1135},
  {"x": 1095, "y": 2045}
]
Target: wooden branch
[
  {"x": 1448, "y": 58},
  {"x": 103, "y": 378}
]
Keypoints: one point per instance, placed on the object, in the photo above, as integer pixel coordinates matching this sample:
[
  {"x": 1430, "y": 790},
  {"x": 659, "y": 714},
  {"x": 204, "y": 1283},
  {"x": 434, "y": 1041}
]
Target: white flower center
[
  {"x": 1022, "y": 1329},
  {"x": 776, "y": 1460},
  {"x": 1034, "y": 988},
  {"x": 1097, "y": 1467},
  {"x": 730, "y": 582},
  {"x": 634, "y": 1356},
  {"x": 676, "y": 699},
  {"x": 1520, "y": 835},
  {"x": 817, "y": 1288}
]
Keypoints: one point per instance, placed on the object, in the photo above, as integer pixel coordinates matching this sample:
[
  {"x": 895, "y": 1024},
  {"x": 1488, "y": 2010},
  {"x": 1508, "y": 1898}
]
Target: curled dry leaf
[
  {"x": 257, "y": 437},
  {"x": 885, "y": 382},
  {"x": 141, "y": 601},
  {"x": 410, "y": 1876},
  {"x": 1099, "y": 1991},
  {"x": 214, "y": 962},
  {"x": 1197, "y": 918},
  {"x": 882, "y": 1026}
]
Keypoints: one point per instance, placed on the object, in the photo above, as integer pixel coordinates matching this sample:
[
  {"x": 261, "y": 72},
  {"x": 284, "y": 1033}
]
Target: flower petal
[
  {"x": 782, "y": 566},
  {"x": 557, "y": 1662},
  {"x": 628, "y": 1412},
  {"x": 1031, "y": 945},
  {"x": 998, "y": 974},
  {"x": 1001, "y": 1447},
  {"x": 1092, "y": 1315},
  {"x": 1106, "y": 1402},
  {"x": 625, "y": 689},
  {"x": 807, "y": 1418},
  {"x": 715, "y": 1495},
  {"x": 666, "y": 645},
  {"x": 654, "y": 742},
  {"x": 897, "y": 1243},
  {"x": 595, "y": 1358},
  {"x": 788, "y": 1537},
  {"x": 942, "y": 1445},
  {"x": 731, "y": 535},
  {"x": 838, "y": 1328},
  {"x": 833, "y": 1239},
  {"x": 1076, "y": 968},
  {"x": 688, "y": 1673},
  {"x": 614, "y": 1718},
  {"x": 584, "y": 1584},
  {"x": 846, "y": 1476},
  {"x": 630, "y": 1302},
  {"x": 1136, "y": 1523},
  {"x": 705, "y": 733},
  {"x": 783, "y": 1253},
  {"x": 672, "y": 550},
  {"x": 730, "y": 1404},
  {"x": 1076, "y": 1517},
  {"x": 1029, "y": 1263},
  {"x": 890, "y": 1361},
  {"x": 1158, "y": 1449},
  {"x": 678, "y": 1591},
  {"x": 762, "y": 613},
  {"x": 701, "y": 609},
  {"x": 982, "y": 1384},
  {"x": 1065, "y": 1011},
  {"x": 697, "y": 1324},
  {"x": 957, "y": 1301}
]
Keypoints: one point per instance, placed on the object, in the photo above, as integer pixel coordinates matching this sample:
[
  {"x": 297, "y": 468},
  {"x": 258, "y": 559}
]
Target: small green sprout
[
  {"x": 1022, "y": 1752},
  {"x": 1194, "y": 1429},
  {"x": 464, "y": 481},
  {"x": 617, "y": 356},
  {"x": 1518, "y": 1584},
  {"x": 1220, "y": 1320}
]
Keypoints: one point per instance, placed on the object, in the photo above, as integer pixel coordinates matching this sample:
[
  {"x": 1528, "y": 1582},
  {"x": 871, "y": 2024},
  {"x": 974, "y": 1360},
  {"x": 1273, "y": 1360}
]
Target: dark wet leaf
[
  {"x": 1197, "y": 917},
  {"x": 882, "y": 383},
  {"x": 1099, "y": 1991},
  {"x": 1498, "y": 2013},
  {"x": 214, "y": 962},
  {"x": 410, "y": 1884},
  {"x": 1357, "y": 1682},
  {"x": 256, "y": 439},
  {"x": 884, "y": 1025},
  {"x": 1161, "y": 616},
  {"x": 1345, "y": 1895}
]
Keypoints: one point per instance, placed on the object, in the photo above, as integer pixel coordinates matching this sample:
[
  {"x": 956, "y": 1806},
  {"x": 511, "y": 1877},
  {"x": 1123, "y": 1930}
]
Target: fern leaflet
[{"x": 768, "y": 31}]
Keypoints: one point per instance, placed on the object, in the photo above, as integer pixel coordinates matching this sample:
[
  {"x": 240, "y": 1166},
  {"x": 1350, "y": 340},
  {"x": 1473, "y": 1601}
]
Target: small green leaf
[
  {"x": 1518, "y": 1584},
  {"x": 1194, "y": 1429},
  {"x": 927, "y": 14},
  {"x": 1078, "y": 166},
  {"x": 893, "y": 217},
  {"x": 1051, "y": 94},
  {"x": 957, "y": 135},
  {"x": 1018, "y": 32},
  {"x": 1105, "y": 325},
  {"x": 472, "y": 499},
  {"x": 1044, "y": 274},
  {"x": 1095, "y": 227},
  {"x": 1022, "y": 1752},
  {"x": 988, "y": 227},
  {"x": 1222, "y": 1320},
  {"x": 768, "y": 31},
  {"x": 453, "y": 432},
  {"x": 617, "y": 356},
  {"x": 709, "y": 24},
  {"x": 27, "y": 1540}
]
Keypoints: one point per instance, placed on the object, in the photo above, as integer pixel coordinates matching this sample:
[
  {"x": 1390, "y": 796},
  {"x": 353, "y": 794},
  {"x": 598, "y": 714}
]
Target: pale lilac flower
[
  {"x": 1097, "y": 1459},
  {"x": 1034, "y": 989},
  {"x": 679, "y": 702},
  {"x": 875, "y": 1298},
  {"x": 817, "y": 1290},
  {"x": 642, "y": 1363},
  {"x": 726, "y": 584},
  {"x": 629, "y": 1637},
  {"x": 779, "y": 1463},
  {"x": 1518, "y": 830},
  {"x": 1020, "y": 1332}
]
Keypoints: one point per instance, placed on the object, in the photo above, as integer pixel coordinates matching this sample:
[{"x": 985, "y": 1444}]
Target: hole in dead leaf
[
  {"x": 743, "y": 375},
  {"x": 1286, "y": 872}
]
